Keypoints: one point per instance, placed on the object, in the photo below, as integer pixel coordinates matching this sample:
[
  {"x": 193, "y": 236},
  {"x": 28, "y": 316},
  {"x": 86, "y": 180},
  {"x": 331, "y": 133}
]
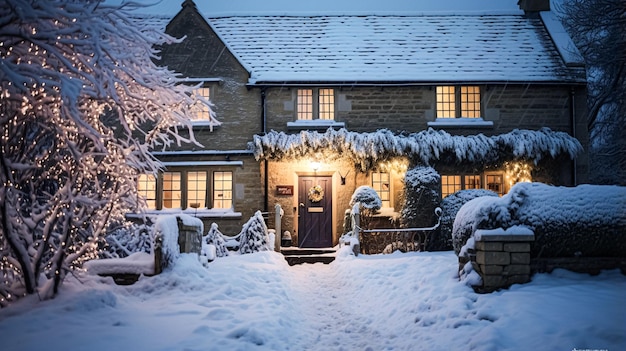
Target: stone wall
[{"x": 501, "y": 260}]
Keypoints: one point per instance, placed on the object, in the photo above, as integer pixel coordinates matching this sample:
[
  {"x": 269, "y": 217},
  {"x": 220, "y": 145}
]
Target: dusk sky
[{"x": 171, "y": 7}]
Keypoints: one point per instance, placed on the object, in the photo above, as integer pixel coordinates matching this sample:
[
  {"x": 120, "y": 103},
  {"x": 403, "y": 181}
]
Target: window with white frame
[
  {"x": 315, "y": 104},
  {"x": 187, "y": 189},
  {"x": 381, "y": 182},
  {"x": 458, "y": 101}
]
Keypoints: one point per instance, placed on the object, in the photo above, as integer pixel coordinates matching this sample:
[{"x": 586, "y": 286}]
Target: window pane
[
  {"x": 205, "y": 113},
  {"x": 146, "y": 188},
  {"x": 470, "y": 101},
  {"x": 305, "y": 104},
  {"x": 381, "y": 183},
  {"x": 445, "y": 102},
  {"x": 171, "y": 189},
  {"x": 196, "y": 189},
  {"x": 472, "y": 182},
  {"x": 495, "y": 183},
  {"x": 327, "y": 104},
  {"x": 222, "y": 189},
  {"x": 450, "y": 184}
]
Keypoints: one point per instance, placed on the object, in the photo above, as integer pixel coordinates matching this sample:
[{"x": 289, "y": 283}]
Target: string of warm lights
[{"x": 78, "y": 84}]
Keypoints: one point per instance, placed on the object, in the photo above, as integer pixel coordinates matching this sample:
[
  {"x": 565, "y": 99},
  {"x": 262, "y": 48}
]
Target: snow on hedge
[
  {"x": 587, "y": 220},
  {"x": 254, "y": 235},
  {"x": 367, "y": 197},
  {"x": 426, "y": 146}
]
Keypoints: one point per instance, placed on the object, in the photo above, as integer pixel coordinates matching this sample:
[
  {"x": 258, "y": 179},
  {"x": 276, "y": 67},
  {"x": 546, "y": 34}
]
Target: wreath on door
[{"x": 316, "y": 193}]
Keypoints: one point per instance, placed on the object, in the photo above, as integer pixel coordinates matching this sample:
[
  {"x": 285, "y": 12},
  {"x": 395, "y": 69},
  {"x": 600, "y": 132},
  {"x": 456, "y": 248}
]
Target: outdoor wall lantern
[{"x": 315, "y": 165}]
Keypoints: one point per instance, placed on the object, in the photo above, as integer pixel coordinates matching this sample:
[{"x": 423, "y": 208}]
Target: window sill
[
  {"x": 461, "y": 123},
  {"x": 320, "y": 124},
  {"x": 199, "y": 213}
]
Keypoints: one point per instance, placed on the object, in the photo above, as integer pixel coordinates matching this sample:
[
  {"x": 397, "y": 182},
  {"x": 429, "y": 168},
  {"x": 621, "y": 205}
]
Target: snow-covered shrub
[
  {"x": 254, "y": 236},
  {"x": 369, "y": 202},
  {"x": 587, "y": 220},
  {"x": 367, "y": 197},
  {"x": 421, "y": 197},
  {"x": 125, "y": 240},
  {"x": 450, "y": 205},
  {"x": 216, "y": 238}
]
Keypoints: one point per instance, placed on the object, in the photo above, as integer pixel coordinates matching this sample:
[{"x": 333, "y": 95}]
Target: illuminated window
[
  {"x": 196, "y": 189},
  {"x": 446, "y": 106},
  {"x": 305, "y": 104},
  {"x": 315, "y": 104},
  {"x": 458, "y": 102},
  {"x": 450, "y": 184},
  {"x": 222, "y": 189},
  {"x": 205, "y": 113},
  {"x": 327, "y": 104},
  {"x": 381, "y": 183},
  {"x": 146, "y": 188},
  {"x": 453, "y": 183},
  {"x": 172, "y": 189},
  {"x": 495, "y": 183}
]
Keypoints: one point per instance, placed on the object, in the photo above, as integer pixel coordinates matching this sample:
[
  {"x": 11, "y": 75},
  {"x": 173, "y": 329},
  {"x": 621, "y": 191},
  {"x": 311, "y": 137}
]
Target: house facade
[{"x": 297, "y": 94}]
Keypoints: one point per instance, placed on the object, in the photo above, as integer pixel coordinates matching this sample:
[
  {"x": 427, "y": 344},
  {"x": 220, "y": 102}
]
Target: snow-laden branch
[{"x": 426, "y": 147}]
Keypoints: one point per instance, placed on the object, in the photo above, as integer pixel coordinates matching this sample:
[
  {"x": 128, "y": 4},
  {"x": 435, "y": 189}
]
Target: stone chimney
[{"x": 534, "y": 5}]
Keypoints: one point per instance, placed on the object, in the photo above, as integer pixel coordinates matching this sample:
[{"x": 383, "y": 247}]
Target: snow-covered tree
[
  {"x": 216, "y": 238},
  {"x": 82, "y": 105},
  {"x": 597, "y": 28},
  {"x": 369, "y": 203},
  {"x": 254, "y": 236}
]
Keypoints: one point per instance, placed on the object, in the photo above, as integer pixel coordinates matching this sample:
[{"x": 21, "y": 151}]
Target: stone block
[
  {"x": 517, "y": 247},
  {"x": 493, "y": 281},
  {"x": 489, "y": 246},
  {"x": 520, "y": 258},
  {"x": 491, "y": 269},
  {"x": 517, "y": 279},
  {"x": 515, "y": 269},
  {"x": 491, "y": 258}
]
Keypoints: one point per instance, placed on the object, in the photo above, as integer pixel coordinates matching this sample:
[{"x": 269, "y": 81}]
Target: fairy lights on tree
[{"x": 82, "y": 104}]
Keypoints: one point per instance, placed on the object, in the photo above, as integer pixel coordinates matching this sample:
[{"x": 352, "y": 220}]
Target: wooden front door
[{"x": 315, "y": 220}]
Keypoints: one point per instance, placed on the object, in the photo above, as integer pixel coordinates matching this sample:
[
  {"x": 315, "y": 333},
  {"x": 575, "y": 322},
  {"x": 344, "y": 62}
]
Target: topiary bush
[
  {"x": 369, "y": 202},
  {"x": 441, "y": 240},
  {"x": 421, "y": 197}
]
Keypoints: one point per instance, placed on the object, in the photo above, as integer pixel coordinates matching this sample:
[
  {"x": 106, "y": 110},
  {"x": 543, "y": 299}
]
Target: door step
[{"x": 296, "y": 256}]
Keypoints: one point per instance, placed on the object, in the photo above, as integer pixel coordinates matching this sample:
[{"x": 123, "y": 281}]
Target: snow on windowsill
[
  {"x": 461, "y": 122},
  {"x": 315, "y": 124},
  {"x": 198, "y": 213}
]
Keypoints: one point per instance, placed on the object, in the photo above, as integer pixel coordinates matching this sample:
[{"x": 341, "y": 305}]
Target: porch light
[{"x": 315, "y": 165}]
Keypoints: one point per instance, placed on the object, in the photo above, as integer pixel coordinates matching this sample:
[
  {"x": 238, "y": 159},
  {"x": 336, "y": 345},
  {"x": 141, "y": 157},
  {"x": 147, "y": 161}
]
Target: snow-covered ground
[{"x": 401, "y": 301}]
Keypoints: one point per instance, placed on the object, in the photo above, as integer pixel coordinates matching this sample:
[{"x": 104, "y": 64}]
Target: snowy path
[
  {"x": 337, "y": 318},
  {"x": 367, "y": 303}
]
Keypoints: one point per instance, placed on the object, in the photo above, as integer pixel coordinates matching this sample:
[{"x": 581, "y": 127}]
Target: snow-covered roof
[{"x": 395, "y": 48}]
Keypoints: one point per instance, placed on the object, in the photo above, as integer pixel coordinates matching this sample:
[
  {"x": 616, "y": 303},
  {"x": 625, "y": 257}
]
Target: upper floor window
[
  {"x": 381, "y": 182},
  {"x": 205, "y": 113},
  {"x": 315, "y": 104},
  {"x": 458, "y": 101}
]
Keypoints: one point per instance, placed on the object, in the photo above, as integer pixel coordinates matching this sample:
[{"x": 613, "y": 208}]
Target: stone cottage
[{"x": 313, "y": 107}]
